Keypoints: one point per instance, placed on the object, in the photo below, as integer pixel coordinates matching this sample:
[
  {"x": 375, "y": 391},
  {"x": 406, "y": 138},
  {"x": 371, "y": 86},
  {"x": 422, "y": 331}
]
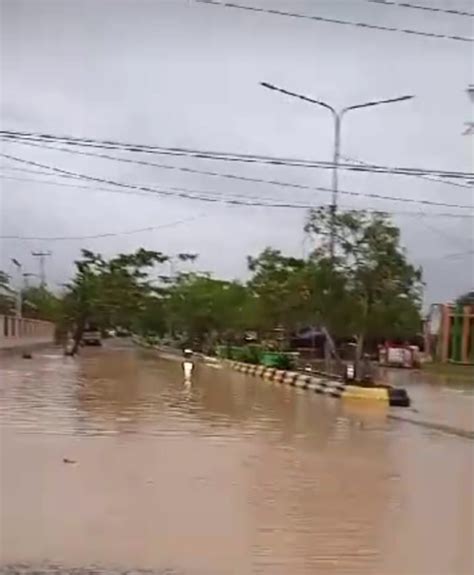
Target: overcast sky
[{"x": 178, "y": 73}]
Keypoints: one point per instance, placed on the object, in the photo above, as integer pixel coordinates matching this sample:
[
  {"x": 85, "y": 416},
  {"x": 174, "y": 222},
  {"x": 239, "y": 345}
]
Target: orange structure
[{"x": 449, "y": 333}]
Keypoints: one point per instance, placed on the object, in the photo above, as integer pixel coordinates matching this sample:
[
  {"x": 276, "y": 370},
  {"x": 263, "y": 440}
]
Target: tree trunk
[
  {"x": 77, "y": 337},
  {"x": 359, "y": 351}
]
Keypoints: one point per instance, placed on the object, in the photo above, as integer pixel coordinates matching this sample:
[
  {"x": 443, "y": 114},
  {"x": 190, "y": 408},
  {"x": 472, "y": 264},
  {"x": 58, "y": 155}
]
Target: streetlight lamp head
[
  {"x": 267, "y": 85},
  {"x": 16, "y": 262},
  {"x": 407, "y": 97}
]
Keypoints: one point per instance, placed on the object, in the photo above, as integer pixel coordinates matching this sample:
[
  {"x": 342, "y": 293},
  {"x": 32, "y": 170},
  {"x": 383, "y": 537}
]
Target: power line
[
  {"x": 233, "y": 176},
  {"x": 453, "y": 256},
  {"x": 26, "y": 170},
  {"x": 459, "y": 254},
  {"x": 450, "y": 11},
  {"x": 103, "y": 235},
  {"x": 185, "y": 193},
  {"x": 446, "y": 235},
  {"x": 434, "y": 229},
  {"x": 171, "y": 192},
  {"x": 260, "y": 204},
  {"x": 78, "y": 186},
  {"x": 450, "y": 256},
  {"x": 153, "y": 193},
  {"x": 182, "y": 168},
  {"x": 422, "y": 176},
  {"x": 24, "y": 137},
  {"x": 219, "y": 199},
  {"x": 112, "y": 234},
  {"x": 364, "y": 25}
]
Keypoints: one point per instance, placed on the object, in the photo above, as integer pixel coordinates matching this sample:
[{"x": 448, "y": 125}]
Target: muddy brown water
[{"x": 232, "y": 475}]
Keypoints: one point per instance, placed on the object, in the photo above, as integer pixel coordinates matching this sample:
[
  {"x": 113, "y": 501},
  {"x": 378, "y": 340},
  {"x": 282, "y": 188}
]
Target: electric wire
[
  {"x": 104, "y": 234},
  {"x": 351, "y": 23},
  {"x": 397, "y": 4},
  {"x": 185, "y": 193},
  {"x": 226, "y": 156},
  {"x": 236, "y": 177}
]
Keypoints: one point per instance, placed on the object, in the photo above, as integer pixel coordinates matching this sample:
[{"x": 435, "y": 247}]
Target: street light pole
[
  {"x": 27, "y": 275},
  {"x": 19, "y": 295},
  {"x": 337, "y": 115},
  {"x": 335, "y": 179}
]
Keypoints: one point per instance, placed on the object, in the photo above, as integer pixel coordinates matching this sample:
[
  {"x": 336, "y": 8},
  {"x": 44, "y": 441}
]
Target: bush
[
  {"x": 248, "y": 354},
  {"x": 284, "y": 361}
]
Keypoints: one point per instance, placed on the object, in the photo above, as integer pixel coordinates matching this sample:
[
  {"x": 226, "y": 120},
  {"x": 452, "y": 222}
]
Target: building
[{"x": 449, "y": 333}]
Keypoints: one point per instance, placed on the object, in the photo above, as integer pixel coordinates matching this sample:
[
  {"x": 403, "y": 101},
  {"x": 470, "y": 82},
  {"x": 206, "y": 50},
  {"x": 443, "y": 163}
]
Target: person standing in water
[{"x": 188, "y": 364}]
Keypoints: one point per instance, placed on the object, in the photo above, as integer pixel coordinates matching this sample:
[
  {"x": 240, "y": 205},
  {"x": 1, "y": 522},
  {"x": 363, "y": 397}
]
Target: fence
[
  {"x": 15, "y": 331},
  {"x": 449, "y": 333}
]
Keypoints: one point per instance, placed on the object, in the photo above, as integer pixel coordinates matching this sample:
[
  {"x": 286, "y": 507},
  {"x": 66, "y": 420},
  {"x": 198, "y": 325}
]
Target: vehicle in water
[
  {"x": 92, "y": 336},
  {"x": 122, "y": 332}
]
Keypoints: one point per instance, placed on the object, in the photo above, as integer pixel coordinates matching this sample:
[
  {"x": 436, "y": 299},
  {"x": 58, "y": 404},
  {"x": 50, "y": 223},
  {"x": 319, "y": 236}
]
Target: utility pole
[
  {"x": 26, "y": 282},
  {"x": 337, "y": 115},
  {"x": 19, "y": 295},
  {"x": 42, "y": 265}
]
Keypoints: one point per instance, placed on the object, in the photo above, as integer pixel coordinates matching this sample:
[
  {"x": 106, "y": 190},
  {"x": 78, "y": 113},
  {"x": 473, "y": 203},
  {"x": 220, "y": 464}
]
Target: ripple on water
[
  {"x": 26, "y": 569},
  {"x": 231, "y": 476}
]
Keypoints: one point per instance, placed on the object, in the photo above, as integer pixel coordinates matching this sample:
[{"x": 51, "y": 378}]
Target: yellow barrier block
[{"x": 372, "y": 393}]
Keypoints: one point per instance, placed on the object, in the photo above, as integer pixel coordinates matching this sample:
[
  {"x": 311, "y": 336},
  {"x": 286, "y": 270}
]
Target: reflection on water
[
  {"x": 438, "y": 399},
  {"x": 232, "y": 475}
]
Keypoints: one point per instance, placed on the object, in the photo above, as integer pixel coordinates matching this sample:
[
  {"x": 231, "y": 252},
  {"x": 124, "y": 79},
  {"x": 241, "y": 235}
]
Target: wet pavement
[{"x": 232, "y": 475}]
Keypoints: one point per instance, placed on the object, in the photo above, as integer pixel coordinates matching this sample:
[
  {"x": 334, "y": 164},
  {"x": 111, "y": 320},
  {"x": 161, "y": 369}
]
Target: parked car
[
  {"x": 122, "y": 332},
  {"x": 91, "y": 337}
]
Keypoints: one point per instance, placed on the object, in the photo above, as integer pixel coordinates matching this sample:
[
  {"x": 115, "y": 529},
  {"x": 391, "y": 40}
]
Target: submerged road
[{"x": 109, "y": 464}]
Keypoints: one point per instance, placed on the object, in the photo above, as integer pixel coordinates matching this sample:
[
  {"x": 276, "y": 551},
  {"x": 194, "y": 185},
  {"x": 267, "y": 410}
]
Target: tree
[
  {"x": 382, "y": 288},
  {"x": 39, "y": 302},
  {"x": 293, "y": 293},
  {"x": 7, "y": 294},
  {"x": 108, "y": 293},
  {"x": 279, "y": 286},
  {"x": 204, "y": 310},
  {"x": 466, "y": 299}
]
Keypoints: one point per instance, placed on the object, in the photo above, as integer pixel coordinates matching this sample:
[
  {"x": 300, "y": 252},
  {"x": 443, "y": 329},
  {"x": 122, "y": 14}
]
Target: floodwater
[{"x": 231, "y": 475}]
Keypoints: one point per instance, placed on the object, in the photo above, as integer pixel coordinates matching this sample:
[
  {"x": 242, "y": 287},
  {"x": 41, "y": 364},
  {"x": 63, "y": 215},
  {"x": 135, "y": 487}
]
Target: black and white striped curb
[{"x": 332, "y": 386}]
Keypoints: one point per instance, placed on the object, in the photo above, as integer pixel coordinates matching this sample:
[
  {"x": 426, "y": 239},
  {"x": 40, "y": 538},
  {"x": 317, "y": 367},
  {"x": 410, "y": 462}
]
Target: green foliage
[
  {"x": 4, "y": 280},
  {"x": 381, "y": 290},
  {"x": 248, "y": 354},
  {"x": 466, "y": 299},
  {"x": 280, "y": 289},
  {"x": 109, "y": 292},
  {"x": 39, "y": 302},
  {"x": 368, "y": 289},
  {"x": 284, "y": 361},
  {"x": 204, "y": 309},
  {"x": 292, "y": 292},
  {"x": 7, "y": 295}
]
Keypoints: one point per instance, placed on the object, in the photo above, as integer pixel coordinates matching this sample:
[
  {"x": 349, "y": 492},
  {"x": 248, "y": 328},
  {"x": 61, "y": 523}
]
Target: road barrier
[
  {"x": 317, "y": 381},
  {"x": 17, "y": 332},
  {"x": 325, "y": 384}
]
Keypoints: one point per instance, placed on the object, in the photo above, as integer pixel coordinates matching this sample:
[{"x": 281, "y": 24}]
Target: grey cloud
[{"x": 177, "y": 73}]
